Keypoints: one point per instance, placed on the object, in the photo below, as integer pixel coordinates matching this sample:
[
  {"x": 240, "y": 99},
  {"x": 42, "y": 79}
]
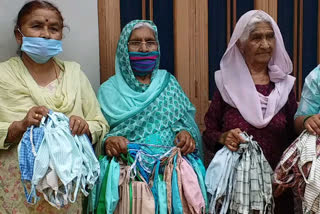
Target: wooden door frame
[
  {"x": 191, "y": 52},
  {"x": 109, "y": 33}
]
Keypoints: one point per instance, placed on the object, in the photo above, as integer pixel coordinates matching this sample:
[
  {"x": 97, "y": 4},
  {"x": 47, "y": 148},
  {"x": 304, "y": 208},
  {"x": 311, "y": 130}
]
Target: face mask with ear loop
[{"x": 40, "y": 50}]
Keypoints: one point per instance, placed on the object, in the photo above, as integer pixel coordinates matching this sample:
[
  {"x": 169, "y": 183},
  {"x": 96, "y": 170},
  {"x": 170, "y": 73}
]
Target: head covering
[
  {"x": 123, "y": 95},
  {"x": 123, "y": 66},
  {"x": 236, "y": 85},
  {"x": 140, "y": 111}
]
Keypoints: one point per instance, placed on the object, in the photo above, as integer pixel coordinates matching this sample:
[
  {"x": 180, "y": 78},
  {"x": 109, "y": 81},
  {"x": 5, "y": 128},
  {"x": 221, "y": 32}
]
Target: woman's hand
[
  {"x": 185, "y": 142},
  {"x": 17, "y": 128},
  {"x": 116, "y": 145},
  {"x": 312, "y": 124},
  {"x": 34, "y": 116},
  {"x": 78, "y": 126},
  {"x": 231, "y": 139}
]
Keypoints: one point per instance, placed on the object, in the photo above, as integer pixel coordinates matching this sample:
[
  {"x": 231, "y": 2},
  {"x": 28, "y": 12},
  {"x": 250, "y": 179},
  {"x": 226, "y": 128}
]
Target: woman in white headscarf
[{"x": 254, "y": 91}]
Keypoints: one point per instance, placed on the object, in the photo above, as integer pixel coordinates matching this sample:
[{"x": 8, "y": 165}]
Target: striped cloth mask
[{"x": 143, "y": 63}]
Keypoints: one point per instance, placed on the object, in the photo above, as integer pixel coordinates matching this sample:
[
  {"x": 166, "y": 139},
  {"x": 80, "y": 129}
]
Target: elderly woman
[
  {"x": 32, "y": 84},
  {"x": 254, "y": 92},
  {"x": 143, "y": 103}
]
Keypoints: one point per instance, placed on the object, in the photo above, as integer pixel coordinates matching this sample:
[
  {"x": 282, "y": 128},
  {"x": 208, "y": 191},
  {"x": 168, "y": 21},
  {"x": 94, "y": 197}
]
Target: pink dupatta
[{"x": 235, "y": 83}]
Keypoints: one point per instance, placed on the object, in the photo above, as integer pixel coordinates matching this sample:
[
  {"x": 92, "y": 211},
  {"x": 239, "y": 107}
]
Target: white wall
[{"x": 80, "y": 43}]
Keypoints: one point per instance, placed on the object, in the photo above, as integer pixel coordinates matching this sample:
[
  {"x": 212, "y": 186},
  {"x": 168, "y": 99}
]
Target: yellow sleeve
[
  {"x": 92, "y": 114},
  {"x": 3, "y": 134}
]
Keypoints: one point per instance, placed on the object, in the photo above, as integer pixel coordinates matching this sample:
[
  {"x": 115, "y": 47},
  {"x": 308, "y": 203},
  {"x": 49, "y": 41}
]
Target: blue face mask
[{"x": 39, "y": 49}]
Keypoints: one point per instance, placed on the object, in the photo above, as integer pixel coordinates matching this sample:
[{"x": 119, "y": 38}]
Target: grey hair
[
  {"x": 143, "y": 24},
  {"x": 256, "y": 18}
]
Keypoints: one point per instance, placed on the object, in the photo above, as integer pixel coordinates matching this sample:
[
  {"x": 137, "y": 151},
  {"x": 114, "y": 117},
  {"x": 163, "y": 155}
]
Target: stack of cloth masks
[
  {"x": 240, "y": 182},
  {"x": 55, "y": 163},
  {"x": 150, "y": 178},
  {"x": 299, "y": 168}
]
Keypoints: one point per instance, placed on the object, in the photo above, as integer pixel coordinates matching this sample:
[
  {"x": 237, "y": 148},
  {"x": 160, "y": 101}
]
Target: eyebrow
[
  {"x": 53, "y": 23},
  {"x": 255, "y": 33},
  {"x": 36, "y": 22}
]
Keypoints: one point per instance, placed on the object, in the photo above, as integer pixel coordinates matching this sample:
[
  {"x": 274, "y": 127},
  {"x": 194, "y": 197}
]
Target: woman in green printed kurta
[
  {"x": 28, "y": 88},
  {"x": 143, "y": 103}
]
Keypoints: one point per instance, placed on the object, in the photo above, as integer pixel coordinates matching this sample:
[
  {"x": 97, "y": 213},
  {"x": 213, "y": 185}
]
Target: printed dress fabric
[{"x": 273, "y": 139}]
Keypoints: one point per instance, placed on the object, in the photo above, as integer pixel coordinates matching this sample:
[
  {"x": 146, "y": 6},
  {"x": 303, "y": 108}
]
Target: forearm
[
  {"x": 15, "y": 132},
  {"x": 299, "y": 124}
]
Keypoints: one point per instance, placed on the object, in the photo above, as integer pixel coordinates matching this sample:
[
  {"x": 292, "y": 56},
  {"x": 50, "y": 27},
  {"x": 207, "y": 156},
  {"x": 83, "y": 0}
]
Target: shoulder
[
  {"x": 10, "y": 64},
  {"x": 10, "y": 69},
  {"x": 108, "y": 83},
  {"x": 108, "y": 86},
  {"x": 314, "y": 76}
]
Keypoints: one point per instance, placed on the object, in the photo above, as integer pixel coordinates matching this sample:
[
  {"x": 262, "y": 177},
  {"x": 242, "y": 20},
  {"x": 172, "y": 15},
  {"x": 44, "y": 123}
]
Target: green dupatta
[{"x": 138, "y": 111}]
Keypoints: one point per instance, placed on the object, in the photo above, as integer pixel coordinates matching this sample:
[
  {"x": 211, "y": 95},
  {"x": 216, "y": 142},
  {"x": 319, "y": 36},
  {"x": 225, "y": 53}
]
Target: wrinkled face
[
  {"x": 142, "y": 40},
  {"x": 259, "y": 47},
  {"x": 42, "y": 23}
]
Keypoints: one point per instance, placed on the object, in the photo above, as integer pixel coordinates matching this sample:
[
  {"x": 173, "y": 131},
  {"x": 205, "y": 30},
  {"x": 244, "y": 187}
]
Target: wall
[{"x": 80, "y": 42}]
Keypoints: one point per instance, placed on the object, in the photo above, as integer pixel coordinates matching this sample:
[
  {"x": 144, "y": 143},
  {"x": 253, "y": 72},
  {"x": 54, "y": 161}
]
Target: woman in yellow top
[{"x": 32, "y": 84}]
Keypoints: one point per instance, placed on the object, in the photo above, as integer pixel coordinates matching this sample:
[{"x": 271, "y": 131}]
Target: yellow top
[{"x": 73, "y": 96}]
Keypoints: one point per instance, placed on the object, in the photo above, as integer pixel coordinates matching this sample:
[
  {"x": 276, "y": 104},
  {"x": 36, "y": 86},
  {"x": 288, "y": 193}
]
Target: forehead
[
  {"x": 262, "y": 27},
  {"x": 42, "y": 15},
  {"x": 142, "y": 33}
]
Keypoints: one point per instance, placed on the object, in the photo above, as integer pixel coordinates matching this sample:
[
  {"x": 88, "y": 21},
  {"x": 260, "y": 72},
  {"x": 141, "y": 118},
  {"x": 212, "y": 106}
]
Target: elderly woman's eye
[
  {"x": 135, "y": 43},
  {"x": 36, "y": 26},
  {"x": 270, "y": 36}
]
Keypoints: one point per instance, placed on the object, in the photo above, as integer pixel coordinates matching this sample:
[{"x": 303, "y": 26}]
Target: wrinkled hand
[
  {"x": 232, "y": 139},
  {"x": 116, "y": 145},
  {"x": 34, "y": 116},
  {"x": 185, "y": 142},
  {"x": 312, "y": 124},
  {"x": 78, "y": 126}
]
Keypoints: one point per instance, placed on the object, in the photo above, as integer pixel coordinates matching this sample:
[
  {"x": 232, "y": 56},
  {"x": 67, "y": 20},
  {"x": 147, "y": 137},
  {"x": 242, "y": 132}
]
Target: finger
[
  {"x": 42, "y": 111},
  {"x": 71, "y": 122},
  {"x": 236, "y": 135},
  {"x": 309, "y": 129},
  {"x": 181, "y": 140},
  {"x": 116, "y": 144},
  {"x": 313, "y": 125},
  {"x": 316, "y": 125},
  {"x": 75, "y": 127},
  {"x": 191, "y": 148},
  {"x": 123, "y": 146},
  {"x": 233, "y": 144},
  {"x": 81, "y": 127},
  {"x": 85, "y": 129},
  {"x": 114, "y": 152},
  {"x": 230, "y": 140},
  {"x": 108, "y": 152},
  {"x": 186, "y": 145},
  {"x": 32, "y": 121},
  {"x": 35, "y": 116},
  {"x": 231, "y": 148}
]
